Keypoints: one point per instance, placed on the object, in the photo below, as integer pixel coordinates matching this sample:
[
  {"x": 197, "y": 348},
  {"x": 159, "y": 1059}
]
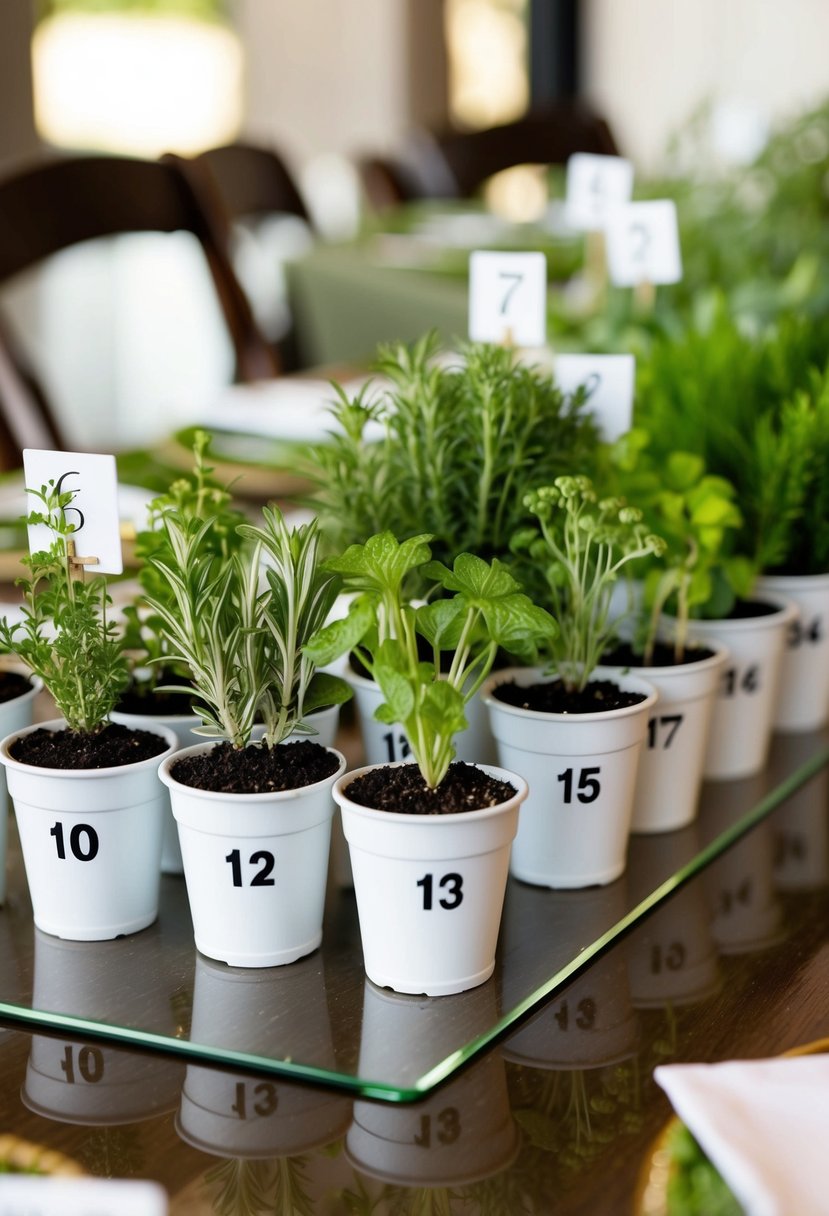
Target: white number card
[
  {"x": 508, "y": 298},
  {"x": 93, "y": 511},
  {"x": 643, "y": 244},
  {"x": 608, "y": 381},
  {"x": 596, "y": 184},
  {"x": 29, "y": 1195}
]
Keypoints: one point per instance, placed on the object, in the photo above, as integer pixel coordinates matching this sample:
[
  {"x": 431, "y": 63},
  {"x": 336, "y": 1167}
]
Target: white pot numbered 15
[
  {"x": 803, "y": 694},
  {"x": 581, "y": 770}
]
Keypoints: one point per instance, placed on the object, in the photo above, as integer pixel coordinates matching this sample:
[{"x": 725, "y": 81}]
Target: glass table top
[{"x": 321, "y": 1020}]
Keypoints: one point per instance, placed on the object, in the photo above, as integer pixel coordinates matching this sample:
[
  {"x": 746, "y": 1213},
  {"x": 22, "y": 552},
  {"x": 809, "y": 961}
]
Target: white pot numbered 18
[
  {"x": 803, "y": 694},
  {"x": 91, "y": 841},
  {"x": 430, "y": 889},
  {"x": 255, "y": 866},
  {"x": 581, "y": 770}
]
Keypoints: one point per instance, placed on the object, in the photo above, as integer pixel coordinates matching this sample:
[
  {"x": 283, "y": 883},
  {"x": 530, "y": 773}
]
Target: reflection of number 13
[
  {"x": 517, "y": 280},
  {"x": 65, "y": 510}
]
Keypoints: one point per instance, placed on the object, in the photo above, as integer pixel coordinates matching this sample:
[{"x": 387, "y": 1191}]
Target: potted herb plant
[
  {"x": 575, "y": 738},
  {"x": 450, "y": 449},
  {"x": 429, "y": 841},
  {"x": 254, "y": 817},
  {"x": 85, "y": 791}
]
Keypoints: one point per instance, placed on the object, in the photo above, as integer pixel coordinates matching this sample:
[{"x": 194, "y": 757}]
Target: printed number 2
[
  {"x": 454, "y": 885},
  {"x": 588, "y": 788},
  {"x": 516, "y": 281},
  {"x": 262, "y": 877}
]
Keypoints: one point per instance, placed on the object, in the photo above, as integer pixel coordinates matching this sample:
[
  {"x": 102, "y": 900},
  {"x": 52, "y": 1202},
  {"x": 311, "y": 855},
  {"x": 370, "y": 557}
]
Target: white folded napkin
[{"x": 765, "y": 1126}]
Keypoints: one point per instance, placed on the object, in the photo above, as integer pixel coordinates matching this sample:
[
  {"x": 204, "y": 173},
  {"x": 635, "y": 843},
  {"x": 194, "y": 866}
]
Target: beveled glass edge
[{"x": 289, "y": 1070}]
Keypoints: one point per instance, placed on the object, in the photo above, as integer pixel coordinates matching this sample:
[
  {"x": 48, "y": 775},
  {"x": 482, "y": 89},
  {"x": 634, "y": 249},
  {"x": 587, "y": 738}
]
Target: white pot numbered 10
[
  {"x": 581, "y": 770},
  {"x": 430, "y": 889},
  {"x": 803, "y": 695},
  {"x": 91, "y": 841},
  {"x": 255, "y": 866}
]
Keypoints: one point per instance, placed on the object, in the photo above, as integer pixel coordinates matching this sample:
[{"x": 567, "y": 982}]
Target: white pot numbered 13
[
  {"x": 430, "y": 889},
  {"x": 255, "y": 866},
  {"x": 91, "y": 841}
]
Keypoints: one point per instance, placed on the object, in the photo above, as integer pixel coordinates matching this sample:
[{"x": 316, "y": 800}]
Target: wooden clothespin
[
  {"x": 77, "y": 564},
  {"x": 644, "y": 297}
]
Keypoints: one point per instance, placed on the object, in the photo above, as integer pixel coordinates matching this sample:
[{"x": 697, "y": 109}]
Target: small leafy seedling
[
  {"x": 65, "y": 636},
  {"x": 484, "y": 609}
]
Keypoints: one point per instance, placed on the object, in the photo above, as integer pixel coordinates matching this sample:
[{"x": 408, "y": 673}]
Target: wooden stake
[{"x": 77, "y": 564}]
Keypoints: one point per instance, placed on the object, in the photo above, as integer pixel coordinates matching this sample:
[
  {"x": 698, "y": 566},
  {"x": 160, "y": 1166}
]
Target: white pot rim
[
  {"x": 719, "y": 655},
  {"x": 79, "y": 774},
  {"x": 628, "y": 683},
  {"x": 340, "y": 793},
  {"x": 214, "y": 796},
  {"x": 782, "y": 582},
  {"x": 784, "y": 612}
]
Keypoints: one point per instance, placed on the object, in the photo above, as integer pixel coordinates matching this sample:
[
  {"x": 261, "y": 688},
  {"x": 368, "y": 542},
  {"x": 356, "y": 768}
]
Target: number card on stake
[
  {"x": 643, "y": 243},
  {"x": 596, "y": 184},
  {"x": 94, "y": 508},
  {"x": 608, "y": 380},
  {"x": 508, "y": 298}
]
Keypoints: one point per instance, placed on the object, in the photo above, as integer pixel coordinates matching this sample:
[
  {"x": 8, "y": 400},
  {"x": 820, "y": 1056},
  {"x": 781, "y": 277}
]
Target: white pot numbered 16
[
  {"x": 91, "y": 841},
  {"x": 255, "y": 866},
  {"x": 803, "y": 694},
  {"x": 430, "y": 889},
  {"x": 581, "y": 770}
]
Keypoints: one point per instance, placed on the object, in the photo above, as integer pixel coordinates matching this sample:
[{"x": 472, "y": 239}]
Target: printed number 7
[{"x": 510, "y": 292}]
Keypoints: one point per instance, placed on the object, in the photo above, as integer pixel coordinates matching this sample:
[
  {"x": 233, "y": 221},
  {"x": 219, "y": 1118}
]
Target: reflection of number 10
[{"x": 517, "y": 280}]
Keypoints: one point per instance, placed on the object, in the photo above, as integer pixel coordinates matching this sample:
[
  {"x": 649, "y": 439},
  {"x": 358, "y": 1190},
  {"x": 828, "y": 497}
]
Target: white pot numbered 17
[
  {"x": 581, "y": 770},
  {"x": 430, "y": 889},
  {"x": 91, "y": 841},
  {"x": 255, "y": 866}
]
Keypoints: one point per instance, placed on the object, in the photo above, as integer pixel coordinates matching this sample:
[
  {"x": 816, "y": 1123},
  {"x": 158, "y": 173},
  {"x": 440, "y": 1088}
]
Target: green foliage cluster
[
  {"x": 695, "y": 1185},
  {"x": 201, "y": 10},
  {"x": 579, "y": 545},
  {"x": 756, "y": 410},
  {"x": 483, "y": 609},
  {"x": 242, "y": 643},
  {"x": 65, "y": 636},
  {"x": 460, "y": 447}
]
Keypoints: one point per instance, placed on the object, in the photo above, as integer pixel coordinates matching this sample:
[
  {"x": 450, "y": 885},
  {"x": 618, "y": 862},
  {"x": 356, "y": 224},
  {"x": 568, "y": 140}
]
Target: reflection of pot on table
[
  {"x": 88, "y": 1082},
  {"x": 281, "y": 1013},
  {"x": 740, "y": 883},
  {"x": 801, "y": 832},
  {"x": 672, "y": 958},
  {"x": 461, "y": 1133}
]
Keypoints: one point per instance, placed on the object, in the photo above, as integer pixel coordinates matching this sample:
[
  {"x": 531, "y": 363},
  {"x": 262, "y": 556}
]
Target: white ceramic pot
[
  {"x": 435, "y": 883},
  {"x": 91, "y": 841},
  {"x": 255, "y": 867},
  {"x": 741, "y": 725},
  {"x": 670, "y": 765},
  {"x": 14, "y": 715},
  {"x": 803, "y": 695},
  {"x": 581, "y": 769},
  {"x": 384, "y": 744}
]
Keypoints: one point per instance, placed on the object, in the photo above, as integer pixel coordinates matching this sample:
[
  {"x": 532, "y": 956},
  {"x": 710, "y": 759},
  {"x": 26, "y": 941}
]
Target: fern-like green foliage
[
  {"x": 456, "y": 449},
  {"x": 65, "y": 636}
]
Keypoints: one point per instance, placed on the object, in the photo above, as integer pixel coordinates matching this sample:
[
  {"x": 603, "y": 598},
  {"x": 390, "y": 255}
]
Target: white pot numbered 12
[
  {"x": 803, "y": 694},
  {"x": 581, "y": 770},
  {"x": 741, "y": 726},
  {"x": 435, "y": 883},
  {"x": 255, "y": 866},
  {"x": 91, "y": 841}
]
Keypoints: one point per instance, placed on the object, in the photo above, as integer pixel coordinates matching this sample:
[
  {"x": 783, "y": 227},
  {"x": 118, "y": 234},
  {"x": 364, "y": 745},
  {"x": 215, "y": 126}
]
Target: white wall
[{"x": 650, "y": 63}]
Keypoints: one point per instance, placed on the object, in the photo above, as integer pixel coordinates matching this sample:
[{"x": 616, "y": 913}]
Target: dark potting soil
[
  {"x": 256, "y": 769},
  {"x": 12, "y": 685},
  {"x": 553, "y": 698},
  {"x": 143, "y": 698},
  {"x": 745, "y": 609},
  {"x": 402, "y": 789},
  {"x": 110, "y": 747},
  {"x": 662, "y": 656}
]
